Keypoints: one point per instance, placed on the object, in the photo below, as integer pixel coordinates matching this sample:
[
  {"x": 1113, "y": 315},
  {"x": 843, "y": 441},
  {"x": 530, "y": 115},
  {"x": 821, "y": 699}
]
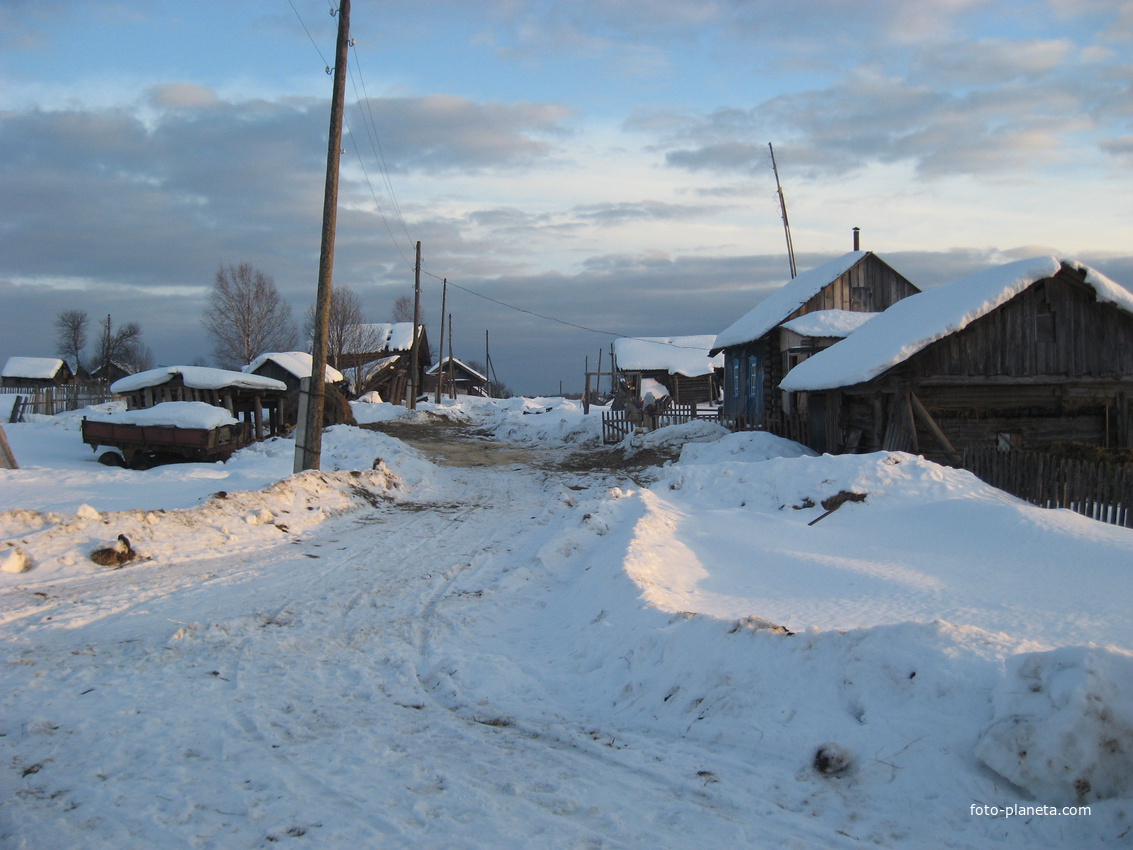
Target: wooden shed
[
  {"x": 254, "y": 399},
  {"x": 1017, "y": 356},
  {"x": 290, "y": 367},
  {"x": 456, "y": 378},
  {"x": 761, "y": 347},
  {"x": 386, "y": 365},
  {"x": 680, "y": 364},
  {"x": 32, "y": 372}
]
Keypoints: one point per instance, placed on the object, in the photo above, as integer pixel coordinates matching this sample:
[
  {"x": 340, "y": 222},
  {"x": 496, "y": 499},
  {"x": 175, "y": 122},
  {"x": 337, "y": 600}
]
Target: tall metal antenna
[{"x": 783, "y": 208}]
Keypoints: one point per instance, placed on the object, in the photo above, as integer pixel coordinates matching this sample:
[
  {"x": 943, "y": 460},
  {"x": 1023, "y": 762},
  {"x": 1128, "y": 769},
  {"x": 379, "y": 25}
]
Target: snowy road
[
  {"x": 481, "y": 650},
  {"x": 305, "y": 689}
]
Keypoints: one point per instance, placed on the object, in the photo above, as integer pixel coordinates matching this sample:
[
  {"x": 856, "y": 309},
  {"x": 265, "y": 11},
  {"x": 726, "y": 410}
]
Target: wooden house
[
  {"x": 35, "y": 372},
  {"x": 290, "y": 367},
  {"x": 682, "y": 365},
  {"x": 1016, "y": 356},
  {"x": 109, "y": 372},
  {"x": 762, "y": 346},
  {"x": 386, "y": 365},
  {"x": 256, "y": 400},
  {"x": 456, "y": 378}
]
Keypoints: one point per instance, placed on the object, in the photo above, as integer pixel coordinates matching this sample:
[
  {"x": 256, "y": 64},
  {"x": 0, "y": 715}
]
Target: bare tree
[
  {"x": 246, "y": 316},
  {"x": 71, "y": 335},
  {"x": 122, "y": 346},
  {"x": 403, "y": 309},
  {"x": 347, "y": 333}
]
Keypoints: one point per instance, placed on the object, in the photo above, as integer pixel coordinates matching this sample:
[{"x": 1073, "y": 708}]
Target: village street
[
  {"x": 484, "y": 630},
  {"x": 310, "y": 688}
]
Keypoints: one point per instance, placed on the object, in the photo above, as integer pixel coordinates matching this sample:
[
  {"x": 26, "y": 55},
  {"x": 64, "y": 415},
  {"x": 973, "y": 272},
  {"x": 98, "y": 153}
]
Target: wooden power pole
[
  {"x": 441, "y": 350},
  {"x": 309, "y": 433},
  {"x": 415, "y": 347}
]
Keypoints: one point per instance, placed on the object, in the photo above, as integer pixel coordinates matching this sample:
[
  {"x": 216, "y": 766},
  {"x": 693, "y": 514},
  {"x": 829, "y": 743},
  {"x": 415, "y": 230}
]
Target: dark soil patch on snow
[{"x": 452, "y": 443}]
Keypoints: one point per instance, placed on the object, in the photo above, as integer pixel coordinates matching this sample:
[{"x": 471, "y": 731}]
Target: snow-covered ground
[{"x": 512, "y": 642}]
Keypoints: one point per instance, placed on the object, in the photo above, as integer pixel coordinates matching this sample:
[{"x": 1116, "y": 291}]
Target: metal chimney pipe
[{"x": 857, "y": 242}]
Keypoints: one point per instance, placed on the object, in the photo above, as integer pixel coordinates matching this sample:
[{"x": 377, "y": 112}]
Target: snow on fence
[
  {"x": 1101, "y": 491},
  {"x": 54, "y": 399}
]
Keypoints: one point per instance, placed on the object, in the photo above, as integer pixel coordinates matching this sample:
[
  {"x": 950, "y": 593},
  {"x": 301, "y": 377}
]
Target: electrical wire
[
  {"x": 372, "y": 134},
  {"x": 313, "y": 42}
]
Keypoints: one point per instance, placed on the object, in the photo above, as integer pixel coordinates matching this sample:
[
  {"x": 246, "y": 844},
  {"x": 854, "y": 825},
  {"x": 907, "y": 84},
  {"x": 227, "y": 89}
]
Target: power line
[
  {"x": 560, "y": 321},
  {"x": 376, "y": 143},
  {"x": 302, "y": 24}
]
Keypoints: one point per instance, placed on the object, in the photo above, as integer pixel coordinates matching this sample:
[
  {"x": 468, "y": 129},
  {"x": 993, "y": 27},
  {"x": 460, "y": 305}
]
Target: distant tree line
[{"x": 245, "y": 317}]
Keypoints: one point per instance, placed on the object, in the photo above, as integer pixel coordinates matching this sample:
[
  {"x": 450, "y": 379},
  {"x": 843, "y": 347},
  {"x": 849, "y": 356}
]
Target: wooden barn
[
  {"x": 456, "y": 378},
  {"x": 680, "y": 364},
  {"x": 764, "y": 344},
  {"x": 386, "y": 365},
  {"x": 256, "y": 400},
  {"x": 1017, "y": 356},
  {"x": 109, "y": 372},
  {"x": 31, "y": 372},
  {"x": 290, "y": 367}
]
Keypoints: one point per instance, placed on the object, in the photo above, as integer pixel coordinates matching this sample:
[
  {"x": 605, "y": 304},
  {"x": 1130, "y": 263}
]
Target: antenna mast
[{"x": 783, "y": 209}]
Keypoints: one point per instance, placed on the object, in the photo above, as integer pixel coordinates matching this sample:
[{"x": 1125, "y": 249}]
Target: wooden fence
[
  {"x": 1101, "y": 491},
  {"x": 52, "y": 400},
  {"x": 618, "y": 424}
]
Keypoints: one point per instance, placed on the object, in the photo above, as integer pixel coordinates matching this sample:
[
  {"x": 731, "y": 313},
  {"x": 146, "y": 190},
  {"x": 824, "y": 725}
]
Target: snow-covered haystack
[{"x": 1063, "y": 727}]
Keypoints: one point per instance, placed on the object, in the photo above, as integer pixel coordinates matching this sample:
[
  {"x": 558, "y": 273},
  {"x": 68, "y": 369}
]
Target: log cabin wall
[
  {"x": 1055, "y": 328},
  {"x": 867, "y": 287},
  {"x": 1050, "y": 365}
]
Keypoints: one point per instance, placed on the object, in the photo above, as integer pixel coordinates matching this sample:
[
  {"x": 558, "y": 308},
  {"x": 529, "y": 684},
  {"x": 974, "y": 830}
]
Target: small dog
[{"x": 115, "y": 556}]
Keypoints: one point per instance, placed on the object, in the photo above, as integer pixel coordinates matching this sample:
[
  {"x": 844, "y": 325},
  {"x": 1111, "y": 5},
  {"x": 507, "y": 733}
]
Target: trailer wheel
[{"x": 112, "y": 458}]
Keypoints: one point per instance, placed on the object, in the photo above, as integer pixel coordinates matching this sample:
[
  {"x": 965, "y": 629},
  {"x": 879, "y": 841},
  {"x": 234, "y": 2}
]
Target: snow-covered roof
[
  {"x": 456, "y": 362},
  {"x": 828, "y": 323},
  {"x": 173, "y": 414},
  {"x": 32, "y": 368},
  {"x": 387, "y": 336},
  {"x": 781, "y": 303},
  {"x": 197, "y": 377},
  {"x": 678, "y": 355},
  {"x": 920, "y": 320},
  {"x": 298, "y": 363}
]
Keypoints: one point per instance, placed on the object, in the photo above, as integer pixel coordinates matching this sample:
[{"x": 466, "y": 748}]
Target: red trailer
[{"x": 139, "y": 446}]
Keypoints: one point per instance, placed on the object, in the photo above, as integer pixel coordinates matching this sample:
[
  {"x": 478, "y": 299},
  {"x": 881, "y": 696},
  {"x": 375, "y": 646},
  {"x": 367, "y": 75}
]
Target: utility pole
[
  {"x": 487, "y": 364},
  {"x": 441, "y": 349},
  {"x": 415, "y": 348},
  {"x": 309, "y": 433},
  {"x": 451, "y": 367}
]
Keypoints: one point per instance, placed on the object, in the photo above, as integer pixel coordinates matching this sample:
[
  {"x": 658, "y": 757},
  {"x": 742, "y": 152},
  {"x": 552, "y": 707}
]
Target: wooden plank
[{"x": 7, "y": 458}]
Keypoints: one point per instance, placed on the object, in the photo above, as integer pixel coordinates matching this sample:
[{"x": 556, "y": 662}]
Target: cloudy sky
[{"x": 602, "y": 163}]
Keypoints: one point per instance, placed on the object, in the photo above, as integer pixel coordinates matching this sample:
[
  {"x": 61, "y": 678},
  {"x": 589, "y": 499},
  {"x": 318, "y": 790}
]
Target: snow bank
[
  {"x": 1063, "y": 727},
  {"x": 536, "y": 420},
  {"x": 358, "y": 468}
]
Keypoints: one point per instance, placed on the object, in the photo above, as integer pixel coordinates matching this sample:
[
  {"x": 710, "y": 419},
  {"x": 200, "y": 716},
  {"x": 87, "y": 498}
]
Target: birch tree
[{"x": 246, "y": 316}]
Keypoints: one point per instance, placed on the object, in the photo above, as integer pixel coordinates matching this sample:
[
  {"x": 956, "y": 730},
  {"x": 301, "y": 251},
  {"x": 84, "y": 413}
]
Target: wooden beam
[
  {"x": 922, "y": 414},
  {"x": 7, "y": 459}
]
